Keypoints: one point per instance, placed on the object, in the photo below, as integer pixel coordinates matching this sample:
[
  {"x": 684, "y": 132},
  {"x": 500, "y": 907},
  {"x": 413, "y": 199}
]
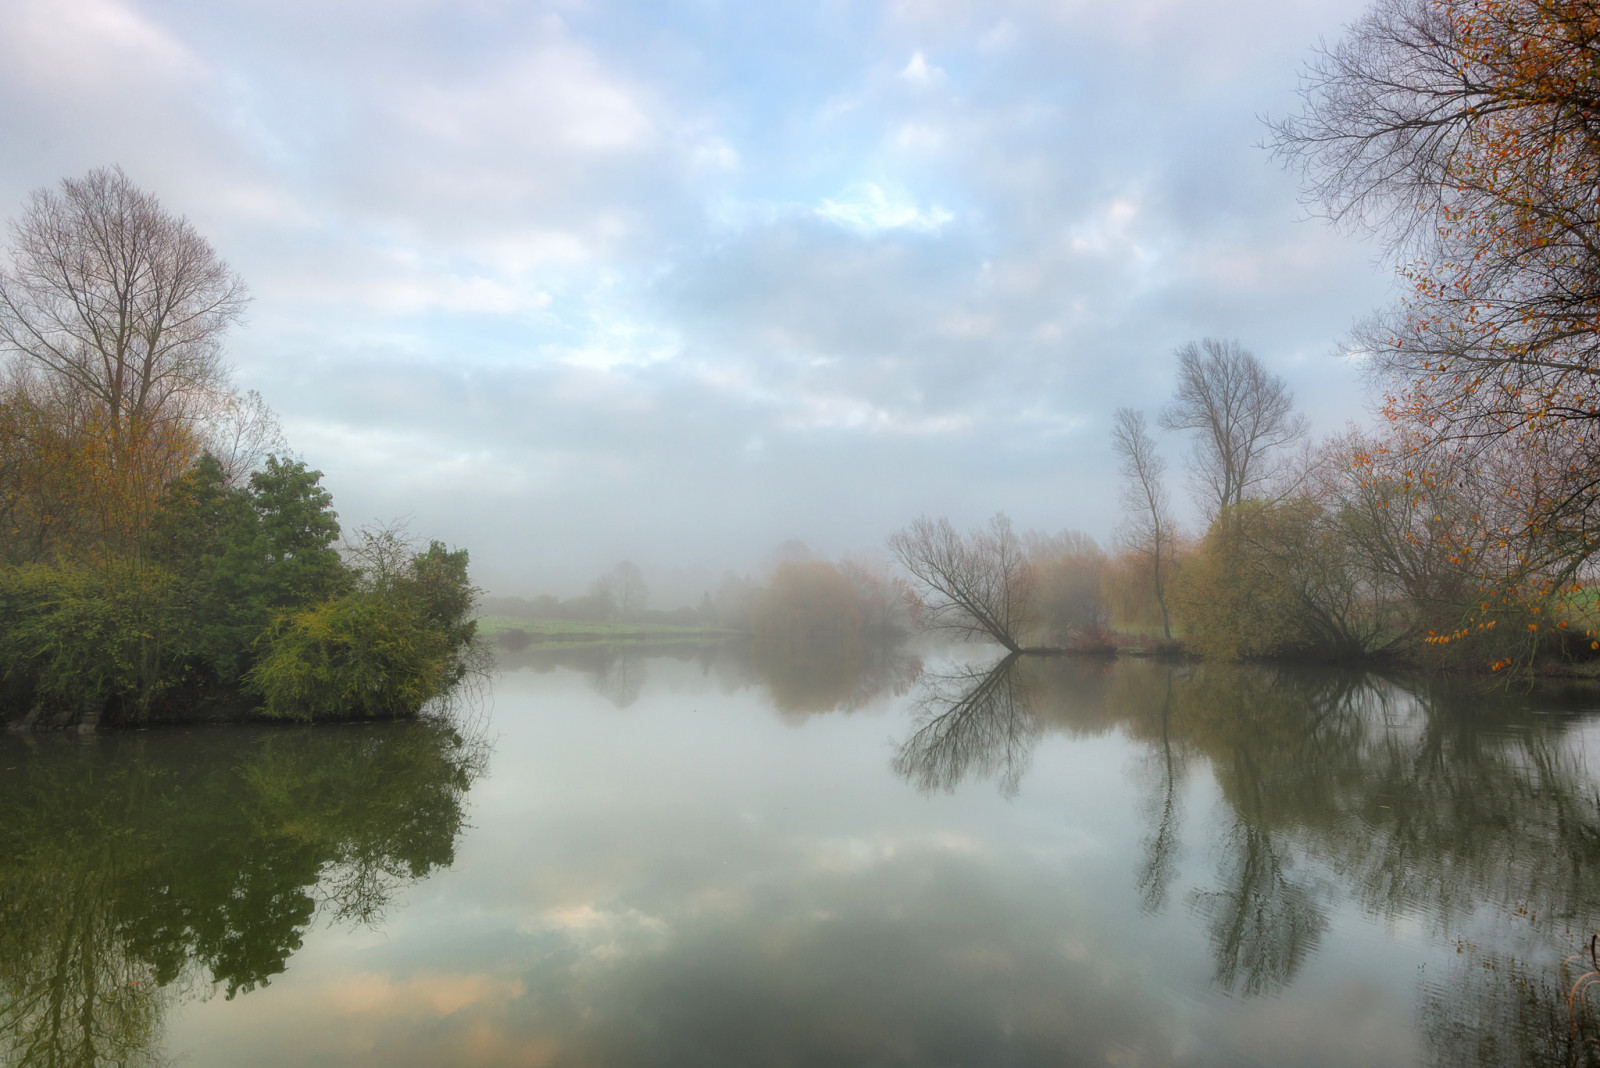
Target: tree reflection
[
  {"x": 1163, "y": 843},
  {"x": 620, "y": 675},
  {"x": 804, "y": 676},
  {"x": 1413, "y": 800},
  {"x": 1263, "y": 923},
  {"x": 133, "y": 869},
  {"x": 971, "y": 721},
  {"x": 810, "y": 677}
]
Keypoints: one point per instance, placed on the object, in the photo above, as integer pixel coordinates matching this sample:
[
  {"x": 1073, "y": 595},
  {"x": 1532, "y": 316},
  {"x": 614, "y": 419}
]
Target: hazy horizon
[{"x": 567, "y": 283}]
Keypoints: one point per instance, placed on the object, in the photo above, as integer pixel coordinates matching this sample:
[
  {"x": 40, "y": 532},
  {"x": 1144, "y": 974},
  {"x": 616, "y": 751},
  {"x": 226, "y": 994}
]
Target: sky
[{"x": 565, "y": 283}]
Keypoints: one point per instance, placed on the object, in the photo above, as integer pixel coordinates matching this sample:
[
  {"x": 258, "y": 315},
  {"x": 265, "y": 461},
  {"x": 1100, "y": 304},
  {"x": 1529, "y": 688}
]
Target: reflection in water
[
  {"x": 1163, "y": 844},
  {"x": 619, "y": 675},
  {"x": 808, "y": 677},
  {"x": 971, "y": 721},
  {"x": 1495, "y": 1009},
  {"x": 801, "y": 677},
  {"x": 1263, "y": 923},
  {"x": 135, "y": 868},
  {"x": 790, "y": 902},
  {"x": 616, "y": 671},
  {"x": 1422, "y": 802}
]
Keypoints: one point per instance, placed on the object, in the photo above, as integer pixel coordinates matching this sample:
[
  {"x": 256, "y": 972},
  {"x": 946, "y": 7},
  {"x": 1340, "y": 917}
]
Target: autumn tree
[
  {"x": 886, "y": 600},
  {"x": 1147, "y": 528},
  {"x": 1241, "y": 416},
  {"x": 113, "y": 312},
  {"x": 1463, "y": 133},
  {"x": 110, "y": 292},
  {"x": 1069, "y": 604}
]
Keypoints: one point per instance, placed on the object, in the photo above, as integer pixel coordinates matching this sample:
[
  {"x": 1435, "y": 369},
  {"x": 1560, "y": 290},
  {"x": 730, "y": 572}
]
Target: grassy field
[{"x": 567, "y": 630}]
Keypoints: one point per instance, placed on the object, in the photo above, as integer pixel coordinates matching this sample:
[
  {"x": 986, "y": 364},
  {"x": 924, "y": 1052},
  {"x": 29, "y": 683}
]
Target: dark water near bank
[{"x": 713, "y": 858}]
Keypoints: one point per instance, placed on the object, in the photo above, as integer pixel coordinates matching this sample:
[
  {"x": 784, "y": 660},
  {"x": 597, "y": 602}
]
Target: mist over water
[{"x": 662, "y": 855}]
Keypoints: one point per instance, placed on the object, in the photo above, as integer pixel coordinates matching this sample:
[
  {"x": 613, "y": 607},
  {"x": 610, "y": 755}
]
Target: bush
[
  {"x": 360, "y": 655},
  {"x": 398, "y": 641},
  {"x": 1232, "y": 601},
  {"x": 81, "y": 637}
]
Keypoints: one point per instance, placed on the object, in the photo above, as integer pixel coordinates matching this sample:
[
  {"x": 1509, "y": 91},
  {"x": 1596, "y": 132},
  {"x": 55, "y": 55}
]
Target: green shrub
[
  {"x": 361, "y": 655},
  {"x": 385, "y": 649},
  {"x": 81, "y": 636}
]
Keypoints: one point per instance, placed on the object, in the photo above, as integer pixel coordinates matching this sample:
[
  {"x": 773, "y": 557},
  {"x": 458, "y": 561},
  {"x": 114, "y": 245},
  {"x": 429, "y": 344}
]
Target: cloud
[
  {"x": 919, "y": 71},
  {"x": 92, "y": 48},
  {"x": 870, "y": 208},
  {"x": 556, "y": 251}
]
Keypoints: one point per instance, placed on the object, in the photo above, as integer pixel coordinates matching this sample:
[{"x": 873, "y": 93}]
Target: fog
[{"x": 567, "y": 284}]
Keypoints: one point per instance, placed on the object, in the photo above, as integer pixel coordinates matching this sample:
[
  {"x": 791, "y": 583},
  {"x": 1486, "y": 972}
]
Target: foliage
[
  {"x": 153, "y": 546},
  {"x": 400, "y": 639},
  {"x": 1234, "y": 600},
  {"x": 79, "y": 637},
  {"x": 1463, "y": 132}
]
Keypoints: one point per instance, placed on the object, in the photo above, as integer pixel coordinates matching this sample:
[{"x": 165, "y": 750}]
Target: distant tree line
[
  {"x": 160, "y": 553},
  {"x": 802, "y": 600}
]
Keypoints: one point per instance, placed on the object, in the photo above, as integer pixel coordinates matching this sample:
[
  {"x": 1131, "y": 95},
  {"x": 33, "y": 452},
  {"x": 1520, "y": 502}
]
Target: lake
[{"x": 700, "y": 856}]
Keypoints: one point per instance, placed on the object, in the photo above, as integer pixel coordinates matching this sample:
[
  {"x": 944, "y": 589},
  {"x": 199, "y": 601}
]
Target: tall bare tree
[
  {"x": 1147, "y": 526},
  {"x": 1240, "y": 414},
  {"x": 117, "y": 299},
  {"x": 977, "y": 585}
]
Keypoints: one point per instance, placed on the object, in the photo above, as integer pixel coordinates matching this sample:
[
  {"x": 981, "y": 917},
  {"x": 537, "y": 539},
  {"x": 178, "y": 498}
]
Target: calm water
[{"x": 705, "y": 858}]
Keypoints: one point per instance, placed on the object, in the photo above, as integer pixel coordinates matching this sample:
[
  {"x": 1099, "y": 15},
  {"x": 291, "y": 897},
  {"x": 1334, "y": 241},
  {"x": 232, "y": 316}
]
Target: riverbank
[{"x": 515, "y": 632}]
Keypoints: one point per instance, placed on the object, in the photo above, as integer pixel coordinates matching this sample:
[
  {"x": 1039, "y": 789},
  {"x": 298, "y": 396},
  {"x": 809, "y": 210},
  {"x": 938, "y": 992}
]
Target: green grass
[{"x": 570, "y": 630}]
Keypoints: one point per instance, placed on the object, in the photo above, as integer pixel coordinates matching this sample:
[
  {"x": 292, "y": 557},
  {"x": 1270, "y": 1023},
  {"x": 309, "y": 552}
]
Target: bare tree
[
  {"x": 981, "y": 584},
  {"x": 625, "y": 589},
  {"x": 241, "y": 430},
  {"x": 122, "y": 301},
  {"x": 1239, "y": 413},
  {"x": 1147, "y": 526}
]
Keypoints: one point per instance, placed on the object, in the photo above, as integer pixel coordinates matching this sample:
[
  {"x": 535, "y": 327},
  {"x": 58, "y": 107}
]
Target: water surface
[{"x": 711, "y": 857}]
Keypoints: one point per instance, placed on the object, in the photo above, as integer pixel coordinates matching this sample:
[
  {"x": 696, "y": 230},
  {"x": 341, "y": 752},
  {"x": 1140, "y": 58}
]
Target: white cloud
[
  {"x": 871, "y": 208},
  {"x": 918, "y": 71},
  {"x": 92, "y": 45},
  {"x": 856, "y": 414}
]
